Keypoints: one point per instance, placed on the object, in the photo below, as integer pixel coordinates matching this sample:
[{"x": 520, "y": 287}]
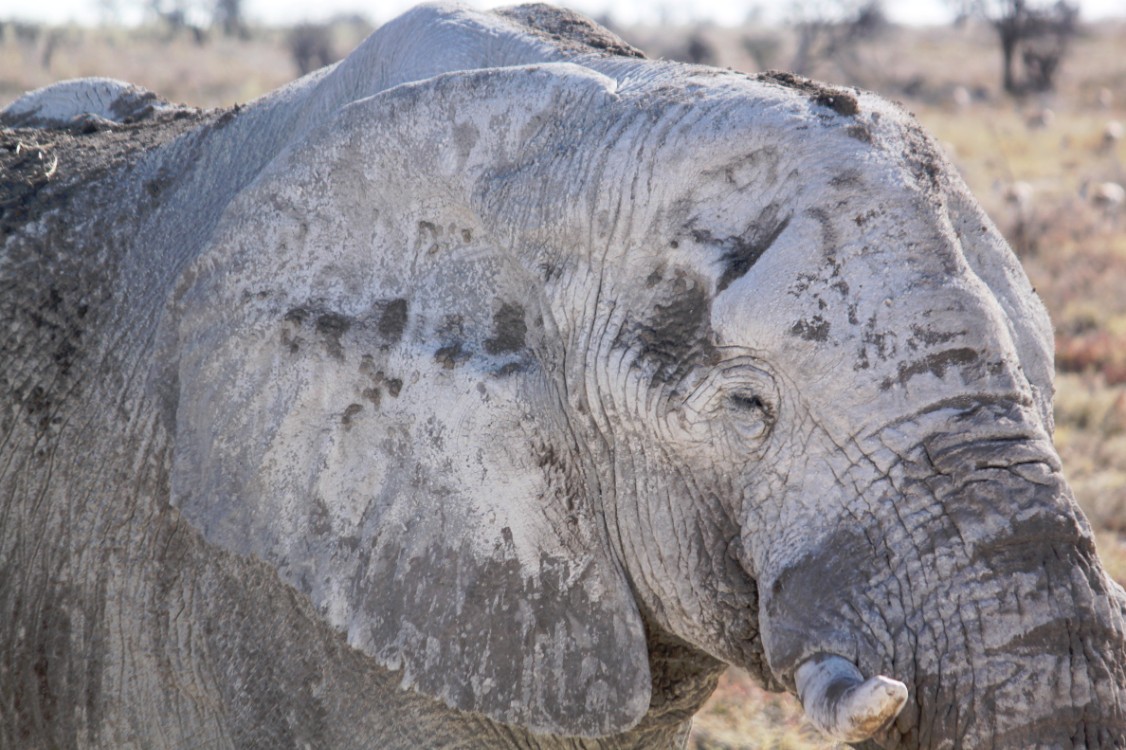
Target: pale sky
[{"x": 728, "y": 12}]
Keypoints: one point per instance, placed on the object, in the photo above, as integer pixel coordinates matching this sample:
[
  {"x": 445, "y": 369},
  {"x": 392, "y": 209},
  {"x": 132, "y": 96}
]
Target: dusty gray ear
[{"x": 367, "y": 399}]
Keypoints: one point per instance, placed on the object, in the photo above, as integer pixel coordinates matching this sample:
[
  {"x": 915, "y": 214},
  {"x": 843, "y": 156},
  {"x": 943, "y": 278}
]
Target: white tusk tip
[
  {"x": 842, "y": 704},
  {"x": 873, "y": 704}
]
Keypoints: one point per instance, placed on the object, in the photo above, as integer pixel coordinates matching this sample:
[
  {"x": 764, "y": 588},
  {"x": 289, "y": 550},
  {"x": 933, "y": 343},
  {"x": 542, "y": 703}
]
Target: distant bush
[
  {"x": 1093, "y": 351},
  {"x": 310, "y": 46}
]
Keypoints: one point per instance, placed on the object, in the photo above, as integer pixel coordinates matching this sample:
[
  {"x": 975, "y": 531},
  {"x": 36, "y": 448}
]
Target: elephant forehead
[{"x": 889, "y": 314}]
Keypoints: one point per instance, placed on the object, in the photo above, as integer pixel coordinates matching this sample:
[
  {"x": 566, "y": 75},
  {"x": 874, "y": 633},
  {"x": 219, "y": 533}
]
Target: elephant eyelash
[
  {"x": 748, "y": 402},
  {"x": 753, "y": 416}
]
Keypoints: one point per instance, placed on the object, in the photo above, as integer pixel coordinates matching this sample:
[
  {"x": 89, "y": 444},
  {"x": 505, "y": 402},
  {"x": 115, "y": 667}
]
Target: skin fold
[{"x": 498, "y": 387}]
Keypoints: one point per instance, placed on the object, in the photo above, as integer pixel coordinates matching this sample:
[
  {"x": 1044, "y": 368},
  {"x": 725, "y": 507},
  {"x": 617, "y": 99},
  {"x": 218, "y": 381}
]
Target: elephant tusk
[{"x": 841, "y": 703}]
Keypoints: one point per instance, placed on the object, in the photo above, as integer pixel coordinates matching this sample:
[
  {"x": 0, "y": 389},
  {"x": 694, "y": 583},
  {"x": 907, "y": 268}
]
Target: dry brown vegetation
[{"x": 1036, "y": 172}]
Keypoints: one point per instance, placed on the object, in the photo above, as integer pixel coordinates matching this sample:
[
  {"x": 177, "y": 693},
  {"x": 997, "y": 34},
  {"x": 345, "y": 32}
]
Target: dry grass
[
  {"x": 221, "y": 72},
  {"x": 1075, "y": 253},
  {"x": 743, "y": 716},
  {"x": 218, "y": 71},
  {"x": 1091, "y": 438}
]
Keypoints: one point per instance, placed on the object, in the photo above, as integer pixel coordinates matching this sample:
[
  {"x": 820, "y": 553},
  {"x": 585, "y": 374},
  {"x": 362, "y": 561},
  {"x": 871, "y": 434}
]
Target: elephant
[{"x": 501, "y": 387}]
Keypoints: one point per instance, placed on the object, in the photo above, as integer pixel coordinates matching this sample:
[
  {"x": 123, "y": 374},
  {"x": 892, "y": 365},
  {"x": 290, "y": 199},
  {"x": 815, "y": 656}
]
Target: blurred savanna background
[{"x": 1027, "y": 97}]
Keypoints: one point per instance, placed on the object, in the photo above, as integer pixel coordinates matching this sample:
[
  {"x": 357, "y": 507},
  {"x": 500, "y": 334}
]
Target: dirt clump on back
[
  {"x": 41, "y": 168},
  {"x": 840, "y": 100},
  {"x": 568, "y": 30}
]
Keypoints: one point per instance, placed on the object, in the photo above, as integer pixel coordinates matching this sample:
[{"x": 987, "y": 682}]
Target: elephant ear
[{"x": 367, "y": 400}]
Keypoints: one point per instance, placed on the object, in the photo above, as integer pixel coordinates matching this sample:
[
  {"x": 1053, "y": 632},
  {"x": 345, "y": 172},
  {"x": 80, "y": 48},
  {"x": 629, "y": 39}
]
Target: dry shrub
[
  {"x": 1112, "y": 552},
  {"x": 1077, "y": 263},
  {"x": 1095, "y": 351},
  {"x": 1091, "y": 439},
  {"x": 310, "y": 46},
  {"x": 743, "y": 716}
]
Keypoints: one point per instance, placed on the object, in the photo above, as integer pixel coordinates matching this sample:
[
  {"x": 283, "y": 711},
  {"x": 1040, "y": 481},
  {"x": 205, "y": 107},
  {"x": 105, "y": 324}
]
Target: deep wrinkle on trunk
[
  {"x": 1028, "y": 658},
  {"x": 971, "y": 576}
]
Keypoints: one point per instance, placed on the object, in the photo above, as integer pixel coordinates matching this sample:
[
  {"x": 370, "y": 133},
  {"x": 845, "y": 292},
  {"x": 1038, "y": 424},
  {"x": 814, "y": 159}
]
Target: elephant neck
[{"x": 69, "y": 237}]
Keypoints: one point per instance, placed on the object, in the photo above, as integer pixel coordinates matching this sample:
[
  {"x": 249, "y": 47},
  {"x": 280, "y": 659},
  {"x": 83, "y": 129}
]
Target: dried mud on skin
[
  {"x": 568, "y": 30},
  {"x": 27, "y": 162},
  {"x": 840, "y": 100},
  {"x": 41, "y": 168}
]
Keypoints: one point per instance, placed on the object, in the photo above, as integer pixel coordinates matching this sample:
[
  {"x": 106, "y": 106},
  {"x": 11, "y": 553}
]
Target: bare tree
[
  {"x": 700, "y": 51},
  {"x": 762, "y": 47},
  {"x": 831, "y": 30},
  {"x": 178, "y": 16},
  {"x": 1040, "y": 32},
  {"x": 194, "y": 15},
  {"x": 310, "y": 46},
  {"x": 228, "y": 16}
]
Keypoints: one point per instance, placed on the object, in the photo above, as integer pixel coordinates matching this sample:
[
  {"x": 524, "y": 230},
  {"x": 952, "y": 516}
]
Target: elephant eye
[
  {"x": 739, "y": 400},
  {"x": 747, "y": 402},
  {"x": 752, "y": 414}
]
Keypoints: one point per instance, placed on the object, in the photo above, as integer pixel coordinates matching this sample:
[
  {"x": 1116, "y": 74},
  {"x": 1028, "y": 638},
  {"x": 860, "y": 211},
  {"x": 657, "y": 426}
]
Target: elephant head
[
  {"x": 547, "y": 387},
  {"x": 507, "y": 370}
]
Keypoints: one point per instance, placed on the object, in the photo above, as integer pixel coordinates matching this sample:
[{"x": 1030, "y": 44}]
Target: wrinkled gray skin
[{"x": 543, "y": 392}]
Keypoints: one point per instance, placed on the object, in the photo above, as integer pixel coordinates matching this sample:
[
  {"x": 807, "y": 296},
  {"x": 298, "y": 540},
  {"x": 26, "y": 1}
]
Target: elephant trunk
[
  {"x": 974, "y": 583},
  {"x": 1022, "y": 648}
]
